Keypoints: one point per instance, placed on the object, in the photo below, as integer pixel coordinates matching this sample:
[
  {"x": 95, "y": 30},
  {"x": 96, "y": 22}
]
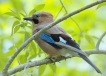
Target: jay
[{"x": 47, "y": 39}]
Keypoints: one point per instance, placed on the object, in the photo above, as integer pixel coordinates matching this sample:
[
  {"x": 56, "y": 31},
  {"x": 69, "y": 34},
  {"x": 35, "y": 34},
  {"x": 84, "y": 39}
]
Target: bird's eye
[{"x": 37, "y": 16}]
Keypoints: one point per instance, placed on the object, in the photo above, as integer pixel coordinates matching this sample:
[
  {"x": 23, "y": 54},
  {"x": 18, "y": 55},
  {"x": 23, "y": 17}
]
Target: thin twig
[
  {"x": 63, "y": 6},
  {"x": 99, "y": 41},
  {"x": 5, "y": 69},
  {"x": 70, "y": 17},
  {"x": 59, "y": 12}
]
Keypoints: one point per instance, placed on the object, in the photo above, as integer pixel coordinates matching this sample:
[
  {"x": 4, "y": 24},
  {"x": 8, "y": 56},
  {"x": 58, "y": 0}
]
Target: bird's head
[{"x": 40, "y": 17}]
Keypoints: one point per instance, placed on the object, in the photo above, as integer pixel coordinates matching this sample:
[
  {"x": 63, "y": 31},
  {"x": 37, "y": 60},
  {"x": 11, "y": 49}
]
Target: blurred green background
[{"x": 85, "y": 27}]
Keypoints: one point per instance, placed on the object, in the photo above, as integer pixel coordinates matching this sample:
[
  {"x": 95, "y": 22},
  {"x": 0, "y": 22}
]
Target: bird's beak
[{"x": 28, "y": 18}]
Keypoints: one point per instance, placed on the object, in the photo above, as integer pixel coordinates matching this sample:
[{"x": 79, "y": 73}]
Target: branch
[
  {"x": 4, "y": 72},
  {"x": 63, "y": 6},
  {"x": 47, "y": 61},
  {"x": 98, "y": 43}
]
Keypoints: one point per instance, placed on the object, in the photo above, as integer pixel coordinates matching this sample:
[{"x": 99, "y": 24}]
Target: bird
[{"x": 47, "y": 39}]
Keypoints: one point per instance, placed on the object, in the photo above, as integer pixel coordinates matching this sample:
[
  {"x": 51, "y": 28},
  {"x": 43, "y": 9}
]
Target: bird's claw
[
  {"x": 51, "y": 58},
  {"x": 64, "y": 57}
]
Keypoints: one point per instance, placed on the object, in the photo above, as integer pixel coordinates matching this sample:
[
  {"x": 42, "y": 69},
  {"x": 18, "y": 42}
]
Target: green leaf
[
  {"x": 90, "y": 40},
  {"x": 17, "y": 17},
  {"x": 26, "y": 36},
  {"x": 33, "y": 46},
  {"x": 9, "y": 13},
  {"x": 95, "y": 37},
  {"x": 14, "y": 24},
  {"x": 53, "y": 67},
  {"x": 22, "y": 32},
  {"x": 10, "y": 52},
  {"x": 16, "y": 29},
  {"x": 100, "y": 5},
  {"x": 32, "y": 56},
  {"x": 22, "y": 58},
  {"x": 11, "y": 48},
  {"x": 23, "y": 14},
  {"x": 39, "y": 7},
  {"x": 13, "y": 14},
  {"x": 30, "y": 27},
  {"x": 32, "y": 11},
  {"x": 41, "y": 69},
  {"x": 27, "y": 53},
  {"x": 39, "y": 51},
  {"x": 23, "y": 25}
]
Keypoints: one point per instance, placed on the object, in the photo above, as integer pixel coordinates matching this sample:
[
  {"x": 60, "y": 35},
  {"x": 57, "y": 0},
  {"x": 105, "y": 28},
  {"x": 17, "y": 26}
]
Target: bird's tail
[{"x": 88, "y": 61}]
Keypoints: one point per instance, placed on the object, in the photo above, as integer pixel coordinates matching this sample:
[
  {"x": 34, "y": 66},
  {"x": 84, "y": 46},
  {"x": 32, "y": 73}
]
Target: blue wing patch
[{"x": 47, "y": 37}]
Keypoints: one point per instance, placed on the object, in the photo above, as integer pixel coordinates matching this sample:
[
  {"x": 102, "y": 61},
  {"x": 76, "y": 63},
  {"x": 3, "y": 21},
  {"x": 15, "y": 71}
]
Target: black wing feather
[
  {"x": 68, "y": 40},
  {"x": 72, "y": 42}
]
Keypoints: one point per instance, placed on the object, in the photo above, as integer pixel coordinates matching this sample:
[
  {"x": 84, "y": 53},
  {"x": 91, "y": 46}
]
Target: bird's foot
[
  {"x": 64, "y": 57},
  {"x": 51, "y": 58}
]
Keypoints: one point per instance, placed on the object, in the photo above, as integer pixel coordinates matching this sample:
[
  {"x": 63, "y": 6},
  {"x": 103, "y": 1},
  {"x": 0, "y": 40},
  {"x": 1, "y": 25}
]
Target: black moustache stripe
[{"x": 35, "y": 21}]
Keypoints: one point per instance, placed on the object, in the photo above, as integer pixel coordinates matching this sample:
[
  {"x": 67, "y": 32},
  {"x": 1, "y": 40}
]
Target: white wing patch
[{"x": 62, "y": 40}]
